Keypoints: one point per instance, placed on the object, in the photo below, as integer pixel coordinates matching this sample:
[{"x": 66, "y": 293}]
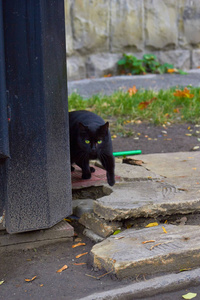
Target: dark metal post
[
  {"x": 4, "y": 143},
  {"x": 38, "y": 179}
]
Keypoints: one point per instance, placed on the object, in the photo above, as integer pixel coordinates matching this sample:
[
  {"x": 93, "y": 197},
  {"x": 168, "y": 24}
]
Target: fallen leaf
[
  {"x": 68, "y": 220},
  {"x": 42, "y": 284},
  {"x": 79, "y": 255},
  {"x": 189, "y": 296},
  {"x": 186, "y": 269},
  {"x": 184, "y": 94},
  {"x": 155, "y": 246},
  {"x": 177, "y": 110},
  {"x": 113, "y": 136},
  {"x": 188, "y": 134},
  {"x": 62, "y": 269},
  {"x": 151, "y": 225},
  {"x": 78, "y": 244},
  {"x": 164, "y": 230},
  {"x": 132, "y": 90},
  {"x": 131, "y": 161},
  {"x": 171, "y": 70},
  {"x": 145, "y": 104},
  {"x": 28, "y": 280},
  {"x": 108, "y": 75},
  {"x": 194, "y": 168},
  {"x": 150, "y": 241},
  {"x": 165, "y": 222},
  {"x": 79, "y": 264},
  {"x": 1, "y": 282},
  {"x": 195, "y": 148},
  {"x": 116, "y": 232}
]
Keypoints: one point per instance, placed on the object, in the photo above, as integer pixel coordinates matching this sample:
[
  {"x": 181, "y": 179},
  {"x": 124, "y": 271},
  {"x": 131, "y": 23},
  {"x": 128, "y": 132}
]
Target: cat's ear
[
  {"x": 82, "y": 127},
  {"x": 104, "y": 128}
]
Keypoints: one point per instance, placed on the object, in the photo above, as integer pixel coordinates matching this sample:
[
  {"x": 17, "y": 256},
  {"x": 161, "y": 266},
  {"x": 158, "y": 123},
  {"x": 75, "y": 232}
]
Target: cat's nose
[{"x": 93, "y": 149}]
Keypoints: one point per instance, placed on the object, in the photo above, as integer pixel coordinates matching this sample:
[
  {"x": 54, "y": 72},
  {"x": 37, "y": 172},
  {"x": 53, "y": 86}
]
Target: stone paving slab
[
  {"x": 97, "y": 178},
  {"x": 146, "y": 199},
  {"x": 165, "y": 184},
  {"x": 62, "y": 231},
  {"x": 99, "y": 225},
  {"x": 181, "y": 168},
  {"x": 149, "y": 251},
  {"x": 135, "y": 173}
]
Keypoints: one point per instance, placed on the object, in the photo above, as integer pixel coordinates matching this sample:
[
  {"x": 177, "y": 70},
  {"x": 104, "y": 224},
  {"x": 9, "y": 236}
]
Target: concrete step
[
  {"x": 149, "y": 251},
  {"x": 165, "y": 184},
  {"x": 62, "y": 231},
  {"x": 146, "y": 199}
]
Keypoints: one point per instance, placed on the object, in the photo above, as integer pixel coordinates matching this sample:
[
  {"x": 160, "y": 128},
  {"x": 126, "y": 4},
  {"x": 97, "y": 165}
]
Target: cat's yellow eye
[
  {"x": 99, "y": 142},
  {"x": 87, "y": 141}
]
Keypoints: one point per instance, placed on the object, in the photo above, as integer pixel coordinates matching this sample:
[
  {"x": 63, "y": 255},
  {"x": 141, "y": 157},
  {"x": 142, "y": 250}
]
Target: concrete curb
[
  {"x": 106, "y": 86},
  {"x": 151, "y": 287}
]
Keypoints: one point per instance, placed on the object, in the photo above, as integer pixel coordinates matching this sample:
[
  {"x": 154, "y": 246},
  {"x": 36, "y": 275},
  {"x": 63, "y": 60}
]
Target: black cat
[{"x": 90, "y": 139}]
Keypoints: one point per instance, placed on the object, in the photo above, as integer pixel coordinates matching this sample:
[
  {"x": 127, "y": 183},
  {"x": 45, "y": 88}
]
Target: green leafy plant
[{"x": 148, "y": 64}]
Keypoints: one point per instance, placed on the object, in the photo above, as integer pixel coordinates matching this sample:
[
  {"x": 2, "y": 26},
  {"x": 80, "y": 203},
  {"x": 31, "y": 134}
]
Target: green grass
[{"x": 164, "y": 106}]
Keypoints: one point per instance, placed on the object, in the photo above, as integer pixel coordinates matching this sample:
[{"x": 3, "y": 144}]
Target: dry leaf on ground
[
  {"x": 79, "y": 255},
  {"x": 62, "y": 269},
  {"x": 28, "y": 280},
  {"x": 131, "y": 161},
  {"x": 184, "y": 94},
  {"x": 189, "y": 296},
  {"x": 78, "y": 244},
  {"x": 150, "y": 241},
  {"x": 145, "y": 104},
  {"x": 132, "y": 90},
  {"x": 151, "y": 225}
]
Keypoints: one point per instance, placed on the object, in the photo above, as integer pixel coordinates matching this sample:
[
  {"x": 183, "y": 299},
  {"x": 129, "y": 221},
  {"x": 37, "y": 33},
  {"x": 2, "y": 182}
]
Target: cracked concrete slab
[
  {"x": 60, "y": 232},
  {"x": 99, "y": 225},
  {"x": 181, "y": 168},
  {"x": 165, "y": 184},
  {"x": 146, "y": 199},
  {"x": 135, "y": 173},
  {"x": 149, "y": 251}
]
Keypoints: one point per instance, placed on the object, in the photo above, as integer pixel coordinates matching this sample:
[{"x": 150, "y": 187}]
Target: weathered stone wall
[{"x": 98, "y": 32}]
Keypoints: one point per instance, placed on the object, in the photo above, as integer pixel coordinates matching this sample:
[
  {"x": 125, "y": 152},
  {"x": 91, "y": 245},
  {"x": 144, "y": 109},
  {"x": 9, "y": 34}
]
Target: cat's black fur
[{"x": 86, "y": 126}]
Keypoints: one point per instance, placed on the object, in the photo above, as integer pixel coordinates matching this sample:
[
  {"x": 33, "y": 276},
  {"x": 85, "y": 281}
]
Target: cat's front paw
[
  {"x": 92, "y": 170},
  {"x": 111, "y": 179},
  {"x": 86, "y": 176}
]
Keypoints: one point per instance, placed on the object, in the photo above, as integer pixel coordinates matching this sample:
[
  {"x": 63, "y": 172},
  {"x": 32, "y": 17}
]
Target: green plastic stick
[{"x": 133, "y": 152}]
